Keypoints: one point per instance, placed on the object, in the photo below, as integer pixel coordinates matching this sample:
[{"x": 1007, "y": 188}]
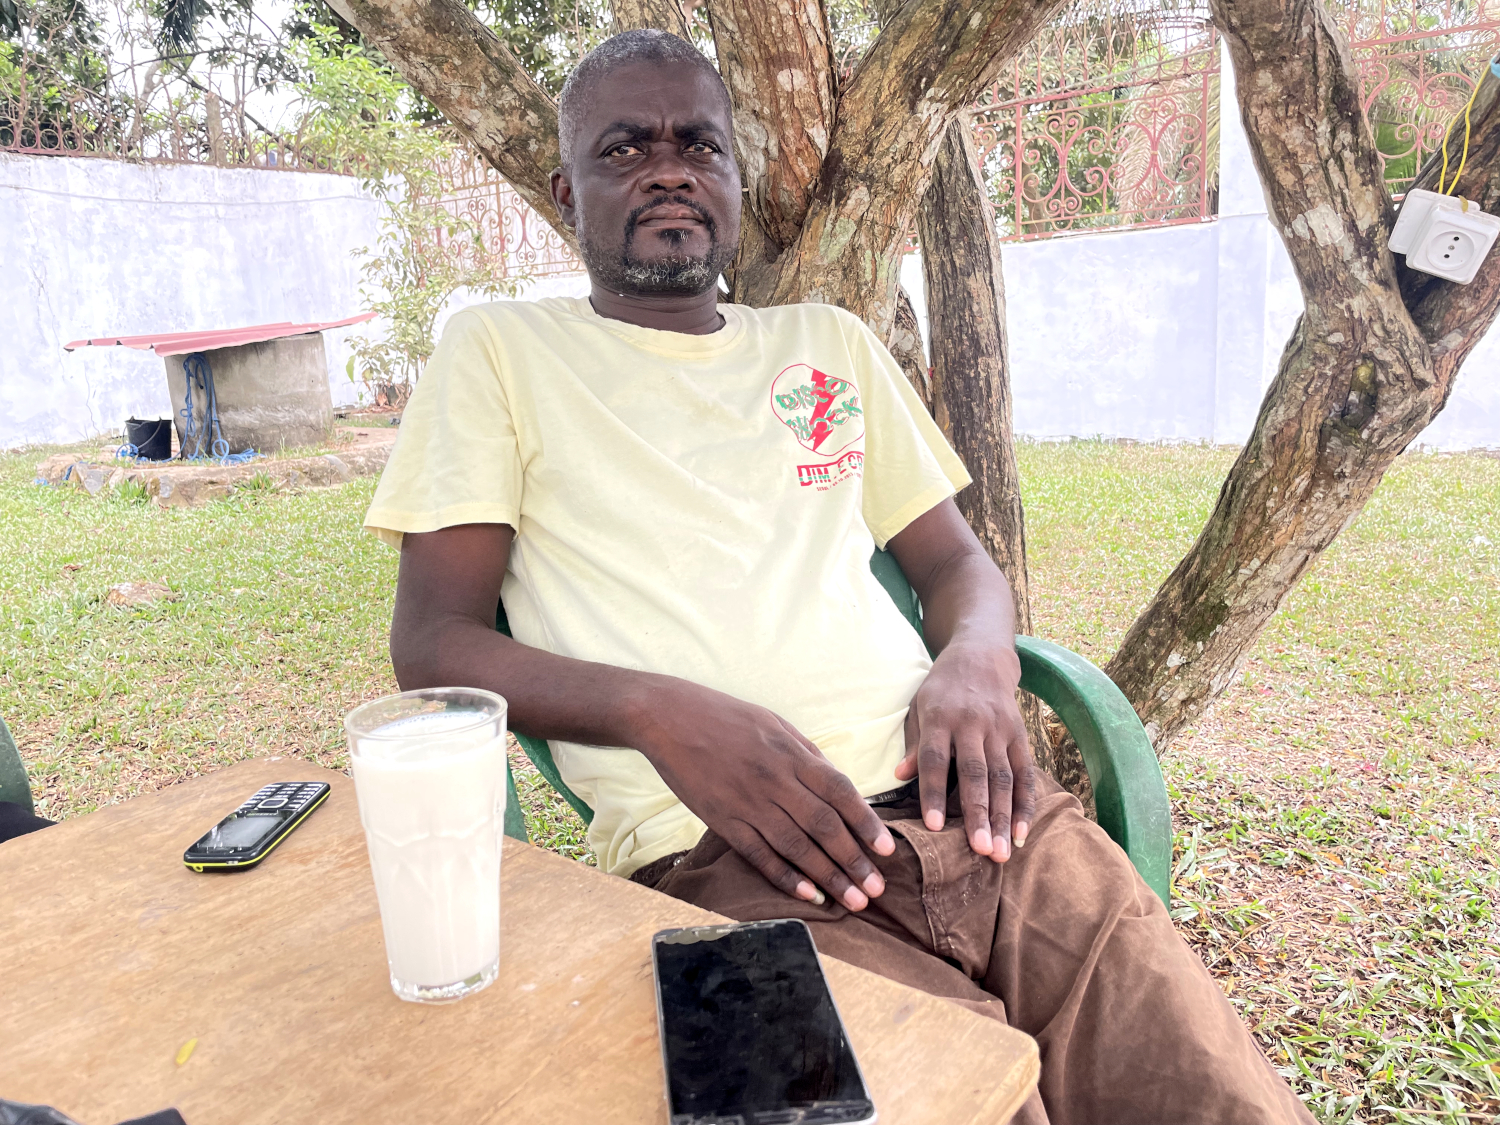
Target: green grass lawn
[{"x": 1338, "y": 813}]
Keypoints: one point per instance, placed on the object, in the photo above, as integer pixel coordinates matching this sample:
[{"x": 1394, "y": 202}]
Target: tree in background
[
  {"x": 54, "y": 75},
  {"x": 1369, "y": 365},
  {"x": 357, "y": 116}
]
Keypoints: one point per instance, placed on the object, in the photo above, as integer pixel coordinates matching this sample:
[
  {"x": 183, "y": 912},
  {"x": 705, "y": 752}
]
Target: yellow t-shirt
[{"x": 697, "y": 506}]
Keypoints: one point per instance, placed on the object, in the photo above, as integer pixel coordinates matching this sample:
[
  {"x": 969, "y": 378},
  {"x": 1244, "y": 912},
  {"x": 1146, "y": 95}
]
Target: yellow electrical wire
[{"x": 1464, "y": 159}]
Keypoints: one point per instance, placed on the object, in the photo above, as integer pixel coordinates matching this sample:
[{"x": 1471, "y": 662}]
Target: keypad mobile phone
[{"x": 247, "y": 835}]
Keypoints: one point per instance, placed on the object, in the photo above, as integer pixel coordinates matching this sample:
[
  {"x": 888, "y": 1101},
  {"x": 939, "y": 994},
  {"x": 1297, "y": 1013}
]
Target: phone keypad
[{"x": 281, "y": 798}]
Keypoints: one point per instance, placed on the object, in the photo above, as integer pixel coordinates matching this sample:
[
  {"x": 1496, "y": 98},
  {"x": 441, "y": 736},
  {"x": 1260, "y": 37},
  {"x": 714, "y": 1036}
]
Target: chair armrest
[
  {"x": 515, "y": 819},
  {"x": 541, "y": 757},
  {"x": 1130, "y": 795},
  {"x": 14, "y": 786}
]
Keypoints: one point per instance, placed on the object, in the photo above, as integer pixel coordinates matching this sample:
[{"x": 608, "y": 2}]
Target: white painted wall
[{"x": 89, "y": 247}]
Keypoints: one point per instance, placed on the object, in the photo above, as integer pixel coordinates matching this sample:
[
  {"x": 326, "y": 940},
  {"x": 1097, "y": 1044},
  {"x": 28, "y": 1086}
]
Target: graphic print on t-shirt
[{"x": 824, "y": 415}]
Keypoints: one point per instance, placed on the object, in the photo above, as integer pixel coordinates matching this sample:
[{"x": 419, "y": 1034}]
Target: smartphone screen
[{"x": 749, "y": 1030}]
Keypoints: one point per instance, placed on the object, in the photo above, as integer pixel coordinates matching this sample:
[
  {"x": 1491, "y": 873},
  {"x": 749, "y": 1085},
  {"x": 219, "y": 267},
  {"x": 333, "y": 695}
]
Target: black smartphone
[
  {"x": 749, "y": 1031},
  {"x": 247, "y": 835}
]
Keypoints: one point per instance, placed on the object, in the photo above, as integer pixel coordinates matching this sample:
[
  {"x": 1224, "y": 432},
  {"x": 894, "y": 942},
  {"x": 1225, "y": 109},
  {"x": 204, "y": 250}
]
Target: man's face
[{"x": 654, "y": 190}]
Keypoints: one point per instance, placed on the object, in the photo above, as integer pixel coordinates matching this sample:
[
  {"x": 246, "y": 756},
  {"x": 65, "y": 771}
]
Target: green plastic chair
[
  {"x": 14, "y": 787},
  {"x": 1130, "y": 796}
]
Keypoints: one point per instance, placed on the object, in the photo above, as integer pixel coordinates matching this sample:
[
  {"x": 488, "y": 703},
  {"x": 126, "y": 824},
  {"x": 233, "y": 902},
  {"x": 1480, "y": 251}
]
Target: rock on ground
[
  {"x": 185, "y": 485},
  {"x": 139, "y": 593}
]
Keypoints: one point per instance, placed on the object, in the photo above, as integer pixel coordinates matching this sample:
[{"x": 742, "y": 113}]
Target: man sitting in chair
[{"x": 678, "y": 500}]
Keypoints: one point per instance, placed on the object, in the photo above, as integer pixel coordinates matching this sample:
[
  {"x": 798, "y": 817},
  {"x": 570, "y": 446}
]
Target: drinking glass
[{"x": 429, "y": 771}]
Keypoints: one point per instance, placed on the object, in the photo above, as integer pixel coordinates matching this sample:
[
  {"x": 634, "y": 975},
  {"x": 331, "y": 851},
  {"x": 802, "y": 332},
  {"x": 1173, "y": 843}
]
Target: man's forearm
[
  {"x": 966, "y": 601},
  {"x": 549, "y": 696},
  {"x": 969, "y": 602}
]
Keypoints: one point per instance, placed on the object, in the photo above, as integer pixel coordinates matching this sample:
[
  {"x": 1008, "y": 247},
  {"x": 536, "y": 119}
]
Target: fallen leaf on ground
[{"x": 185, "y": 1052}]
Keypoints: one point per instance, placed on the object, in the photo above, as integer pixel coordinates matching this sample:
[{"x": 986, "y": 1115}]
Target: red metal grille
[
  {"x": 1418, "y": 62},
  {"x": 515, "y": 240},
  {"x": 1106, "y": 120}
]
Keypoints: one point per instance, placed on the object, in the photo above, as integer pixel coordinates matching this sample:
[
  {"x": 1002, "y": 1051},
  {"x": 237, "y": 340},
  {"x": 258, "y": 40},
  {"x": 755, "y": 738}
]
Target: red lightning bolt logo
[{"x": 825, "y": 388}]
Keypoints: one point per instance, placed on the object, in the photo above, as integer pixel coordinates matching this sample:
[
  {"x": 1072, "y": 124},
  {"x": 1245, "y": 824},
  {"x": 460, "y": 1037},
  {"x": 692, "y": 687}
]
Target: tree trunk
[
  {"x": 664, "y": 15},
  {"x": 971, "y": 384},
  {"x": 1360, "y": 378},
  {"x": 905, "y": 346},
  {"x": 459, "y": 65},
  {"x": 784, "y": 104},
  {"x": 931, "y": 61}
]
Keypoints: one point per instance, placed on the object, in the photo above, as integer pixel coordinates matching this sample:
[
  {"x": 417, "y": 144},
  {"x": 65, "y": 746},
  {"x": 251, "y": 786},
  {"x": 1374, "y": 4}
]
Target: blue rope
[{"x": 197, "y": 371}]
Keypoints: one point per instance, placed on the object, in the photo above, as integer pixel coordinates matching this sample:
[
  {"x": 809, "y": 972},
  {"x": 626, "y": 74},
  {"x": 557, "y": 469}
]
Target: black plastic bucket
[{"x": 151, "y": 438}]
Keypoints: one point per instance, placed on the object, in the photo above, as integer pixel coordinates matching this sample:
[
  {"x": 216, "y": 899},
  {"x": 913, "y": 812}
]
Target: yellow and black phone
[{"x": 247, "y": 835}]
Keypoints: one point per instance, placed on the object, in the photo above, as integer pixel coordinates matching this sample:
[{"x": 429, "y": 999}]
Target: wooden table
[{"x": 113, "y": 957}]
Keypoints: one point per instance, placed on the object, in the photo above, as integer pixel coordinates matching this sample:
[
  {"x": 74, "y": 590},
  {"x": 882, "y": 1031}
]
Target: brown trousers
[{"x": 1064, "y": 942}]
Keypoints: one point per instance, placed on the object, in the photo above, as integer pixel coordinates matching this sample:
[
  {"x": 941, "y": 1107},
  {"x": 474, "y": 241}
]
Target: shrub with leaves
[{"x": 358, "y": 119}]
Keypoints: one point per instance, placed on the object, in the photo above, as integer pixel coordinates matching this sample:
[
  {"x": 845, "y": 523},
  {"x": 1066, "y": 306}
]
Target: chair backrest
[
  {"x": 888, "y": 572},
  {"x": 14, "y": 787}
]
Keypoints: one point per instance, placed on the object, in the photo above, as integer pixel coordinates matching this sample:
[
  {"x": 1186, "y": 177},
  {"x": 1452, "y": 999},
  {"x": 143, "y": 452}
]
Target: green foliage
[
  {"x": 261, "y": 484},
  {"x": 129, "y": 492},
  {"x": 548, "y": 36},
  {"x": 357, "y": 117},
  {"x": 54, "y": 75}
]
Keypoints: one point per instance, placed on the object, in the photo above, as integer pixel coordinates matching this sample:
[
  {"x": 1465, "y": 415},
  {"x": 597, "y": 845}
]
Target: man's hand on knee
[
  {"x": 766, "y": 790},
  {"x": 966, "y": 712}
]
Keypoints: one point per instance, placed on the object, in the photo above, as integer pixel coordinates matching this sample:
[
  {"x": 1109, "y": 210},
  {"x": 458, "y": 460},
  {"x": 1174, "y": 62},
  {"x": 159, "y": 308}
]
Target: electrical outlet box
[{"x": 1439, "y": 237}]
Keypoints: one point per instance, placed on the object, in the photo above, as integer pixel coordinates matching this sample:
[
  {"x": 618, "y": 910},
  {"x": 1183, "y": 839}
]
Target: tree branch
[
  {"x": 965, "y": 289},
  {"x": 966, "y": 323},
  {"x": 1454, "y": 318},
  {"x": 777, "y": 60},
  {"x": 930, "y": 61},
  {"x": 462, "y": 68},
  {"x": 905, "y": 346}
]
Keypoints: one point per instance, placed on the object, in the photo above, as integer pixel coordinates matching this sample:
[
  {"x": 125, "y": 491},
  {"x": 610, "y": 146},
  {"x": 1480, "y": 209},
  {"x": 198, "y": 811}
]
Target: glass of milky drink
[{"x": 429, "y": 770}]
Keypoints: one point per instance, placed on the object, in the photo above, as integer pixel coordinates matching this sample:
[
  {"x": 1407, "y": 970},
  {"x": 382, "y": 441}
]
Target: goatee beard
[{"x": 680, "y": 275}]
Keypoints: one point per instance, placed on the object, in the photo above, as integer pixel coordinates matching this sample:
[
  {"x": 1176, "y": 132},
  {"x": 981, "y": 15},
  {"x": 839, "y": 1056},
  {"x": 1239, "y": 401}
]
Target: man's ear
[{"x": 562, "y": 197}]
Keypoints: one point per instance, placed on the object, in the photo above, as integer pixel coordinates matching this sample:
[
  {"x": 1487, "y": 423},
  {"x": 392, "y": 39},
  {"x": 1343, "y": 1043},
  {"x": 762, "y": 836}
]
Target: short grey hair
[{"x": 645, "y": 45}]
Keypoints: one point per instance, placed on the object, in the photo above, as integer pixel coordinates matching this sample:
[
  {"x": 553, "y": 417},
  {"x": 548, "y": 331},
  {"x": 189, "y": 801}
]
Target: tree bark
[
  {"x": 966, "y": 326},
  {"x": 664, "y": 15},
  {"x": 965, "y": 291},
  {"x": 905, "y": 346},
  {"x": 930, "y": 61},
  {"x": 777, "y": 60},
  {"x": 1360, "y": 377}
]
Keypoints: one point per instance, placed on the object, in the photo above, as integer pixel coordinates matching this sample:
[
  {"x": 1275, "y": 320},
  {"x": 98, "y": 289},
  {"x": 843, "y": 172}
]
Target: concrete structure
[
  {"x": 271, "y": 395},
  {"x": 91, "y": 246}
]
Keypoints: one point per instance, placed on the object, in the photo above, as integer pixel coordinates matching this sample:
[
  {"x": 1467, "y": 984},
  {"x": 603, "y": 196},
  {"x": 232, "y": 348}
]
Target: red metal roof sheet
[{"x": 181, "y": 343}]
